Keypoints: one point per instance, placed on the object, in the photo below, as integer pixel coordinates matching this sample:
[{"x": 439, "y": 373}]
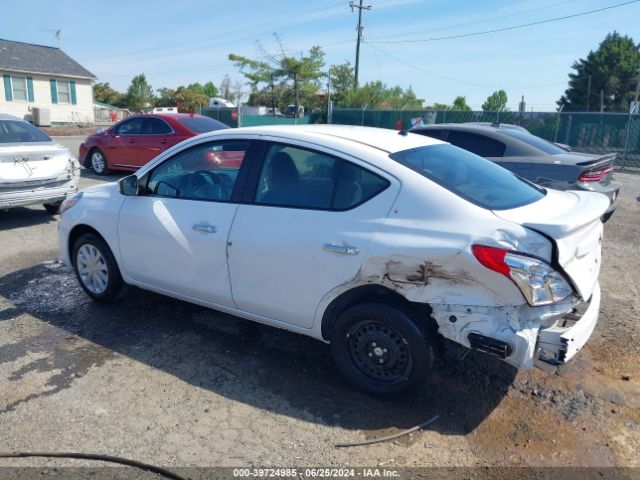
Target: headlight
[
  {"x": 70, "y": 202},
  {"x": 537, "y": 280}
]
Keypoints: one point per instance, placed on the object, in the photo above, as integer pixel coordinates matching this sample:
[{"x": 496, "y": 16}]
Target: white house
[{"x": 36, "y": 76}]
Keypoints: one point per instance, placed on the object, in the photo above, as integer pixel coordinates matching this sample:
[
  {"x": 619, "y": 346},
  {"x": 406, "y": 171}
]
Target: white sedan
[
  {"x": 376, "y": 241},
  {"x": 33, "y": 168}
]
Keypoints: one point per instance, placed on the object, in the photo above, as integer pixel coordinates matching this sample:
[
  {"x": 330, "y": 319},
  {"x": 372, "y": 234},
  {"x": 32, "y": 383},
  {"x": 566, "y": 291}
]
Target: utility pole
[
  {"x": 360, "y": 7},
  {"x": 601, "y": 100},
  {"x": 589, "y": 95},
  {"x": 273, "y": 98}
]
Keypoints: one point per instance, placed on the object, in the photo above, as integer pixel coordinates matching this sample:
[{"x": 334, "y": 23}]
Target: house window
[
  {"x": 64, "y": 92},
  {"x": 19, "y": 88}
]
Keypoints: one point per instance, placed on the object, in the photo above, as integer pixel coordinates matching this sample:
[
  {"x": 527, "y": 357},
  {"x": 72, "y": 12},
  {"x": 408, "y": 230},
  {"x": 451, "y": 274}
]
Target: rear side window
[
  {"x": 478, "y": 144},
  {"x": 300, "y": 178},
  {"x": 16, "y": 131},
  {"x": 201, "y": 124},
  {"x": 471, "y": 177},
  {"x": 155, "y": 126},
  {"x": 532, "y": 140}
]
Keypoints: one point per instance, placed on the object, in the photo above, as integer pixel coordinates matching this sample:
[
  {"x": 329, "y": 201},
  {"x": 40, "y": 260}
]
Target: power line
[
  {"x": 475, "y": 84},
  {"x": 484, "y": 20},
  {"x": 174, "y": 47},
  {"x": 514, "y": 27}
]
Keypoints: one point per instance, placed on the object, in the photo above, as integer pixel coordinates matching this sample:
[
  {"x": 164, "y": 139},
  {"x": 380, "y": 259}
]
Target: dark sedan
[{"x": 539, "y": 161}]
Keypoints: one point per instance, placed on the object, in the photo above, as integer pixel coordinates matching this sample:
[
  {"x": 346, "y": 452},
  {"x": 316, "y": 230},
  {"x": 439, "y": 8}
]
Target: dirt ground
[{"x": 173, "y": 384}]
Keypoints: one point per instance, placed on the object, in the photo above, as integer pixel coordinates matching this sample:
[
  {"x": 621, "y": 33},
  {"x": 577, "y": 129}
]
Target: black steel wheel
[{"x": 380, "y": 349}]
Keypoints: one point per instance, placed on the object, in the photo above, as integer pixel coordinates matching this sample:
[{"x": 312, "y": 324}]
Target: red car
[{"x": 131, "y": 143}]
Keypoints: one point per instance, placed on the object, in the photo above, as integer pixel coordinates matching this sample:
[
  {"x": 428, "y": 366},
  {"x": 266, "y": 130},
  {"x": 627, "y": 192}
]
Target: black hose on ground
[{"x": 98, "y": 457}]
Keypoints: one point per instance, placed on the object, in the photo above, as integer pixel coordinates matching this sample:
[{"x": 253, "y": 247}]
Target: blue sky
[{"x": 177, "y": 43}]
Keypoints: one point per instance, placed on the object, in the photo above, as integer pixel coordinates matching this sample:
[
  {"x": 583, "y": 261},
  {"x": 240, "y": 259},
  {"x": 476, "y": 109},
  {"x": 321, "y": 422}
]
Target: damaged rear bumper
[
  {"x": 559, "y": 343},
  {"x": 18, "y": 197},
  {"x": 520, "y": 335}
]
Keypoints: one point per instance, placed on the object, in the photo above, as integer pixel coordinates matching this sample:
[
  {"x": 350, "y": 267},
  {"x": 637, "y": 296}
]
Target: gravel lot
[{"x": 174, "y": 384}]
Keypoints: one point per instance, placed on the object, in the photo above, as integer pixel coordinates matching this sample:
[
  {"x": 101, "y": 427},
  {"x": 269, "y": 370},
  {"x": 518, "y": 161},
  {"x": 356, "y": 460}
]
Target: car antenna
[
  {"x": 495, "y": 124},
  {"x": 403, "y": 133}
]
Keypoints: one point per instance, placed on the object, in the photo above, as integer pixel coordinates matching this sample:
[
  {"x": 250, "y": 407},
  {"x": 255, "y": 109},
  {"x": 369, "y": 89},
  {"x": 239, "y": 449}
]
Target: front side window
[
  {"x": 64, "y": 92},
  {"x": 19, "y": 87},
  {"x": 130, "y": 127},
  {"x": 205, "y": 172},
  {"x": 301, "y": 178},
  {"x": 469, "y": 176}
]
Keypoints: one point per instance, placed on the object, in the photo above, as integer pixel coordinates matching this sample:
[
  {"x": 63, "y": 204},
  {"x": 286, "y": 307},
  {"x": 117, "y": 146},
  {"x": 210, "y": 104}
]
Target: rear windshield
[
  {"x": 535, "y": 142},
  {"x": 16, "y": 131},
  {"x": 469, "y": 176},
  {"x": 201, "y": 124}
]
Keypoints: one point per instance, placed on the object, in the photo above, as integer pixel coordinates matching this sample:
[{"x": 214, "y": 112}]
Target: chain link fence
[{"x": 588, "y": 132}]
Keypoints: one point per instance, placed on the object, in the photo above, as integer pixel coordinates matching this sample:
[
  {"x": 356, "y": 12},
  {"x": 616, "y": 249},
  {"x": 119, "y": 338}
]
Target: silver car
[{"x": 34, "y": 169}]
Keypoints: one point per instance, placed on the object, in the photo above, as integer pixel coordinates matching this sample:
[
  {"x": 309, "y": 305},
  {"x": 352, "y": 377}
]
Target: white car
[
  {"x": 33, "y": 168},
  {"x": 376, "y": 241}
]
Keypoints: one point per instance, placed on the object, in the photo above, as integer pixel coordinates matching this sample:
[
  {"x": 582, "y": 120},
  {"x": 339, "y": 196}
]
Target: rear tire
[
  {"x": 96, "y": 268},
  {"x": 98, "y": 162},
  {"x": 53, "y": 208},
  {"x": 381, "y": 350}
]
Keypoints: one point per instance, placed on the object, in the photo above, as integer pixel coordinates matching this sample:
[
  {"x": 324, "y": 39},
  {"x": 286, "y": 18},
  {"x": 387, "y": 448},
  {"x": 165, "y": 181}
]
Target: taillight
[
  {"x": 537, "y": 280},
  {"x": 594, "y": 175}
]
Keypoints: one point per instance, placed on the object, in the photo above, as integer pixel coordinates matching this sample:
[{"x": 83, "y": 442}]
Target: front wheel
[
  {"x": 96, "y": 269},
  {"x": 380, "y": 349},
  {"x": 98, "y": 162}
]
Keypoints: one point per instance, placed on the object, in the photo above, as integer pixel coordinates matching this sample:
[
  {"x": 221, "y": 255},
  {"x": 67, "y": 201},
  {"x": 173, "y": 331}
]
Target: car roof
[
  {"x": 4, "y": 116},
  {"x": 381, "y": 139}
]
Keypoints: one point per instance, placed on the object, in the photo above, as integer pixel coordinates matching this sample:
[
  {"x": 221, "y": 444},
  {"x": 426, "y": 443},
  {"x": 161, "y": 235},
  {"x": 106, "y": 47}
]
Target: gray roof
[{"x": 27, "y": 57}]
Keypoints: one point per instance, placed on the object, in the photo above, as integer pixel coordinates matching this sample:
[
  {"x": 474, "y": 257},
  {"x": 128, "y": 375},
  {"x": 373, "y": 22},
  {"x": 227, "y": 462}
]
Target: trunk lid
[
  {"x": 572, "y": 220},
  {"x": 32, "y": 164}
]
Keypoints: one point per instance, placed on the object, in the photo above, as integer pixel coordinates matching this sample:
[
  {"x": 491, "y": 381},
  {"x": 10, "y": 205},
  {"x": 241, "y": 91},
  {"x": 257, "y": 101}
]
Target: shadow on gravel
[
  {"x": 258, "y": 365},
  {"x": 21, "y": 217},
  {"x": 91, "y": 175}
]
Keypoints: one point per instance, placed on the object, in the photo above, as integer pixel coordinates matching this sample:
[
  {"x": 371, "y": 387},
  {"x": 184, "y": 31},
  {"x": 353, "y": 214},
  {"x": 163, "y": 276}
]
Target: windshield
[
  {"x": 201, "y": 124},
  {"x": 17, "y": 131},
  {"x": 469, "y": 176},
  {"x": 536, "y": 142}
]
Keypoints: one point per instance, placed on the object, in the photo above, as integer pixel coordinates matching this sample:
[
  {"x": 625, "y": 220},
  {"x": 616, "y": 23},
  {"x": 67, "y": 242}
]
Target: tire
[
  {"x": 98, "y": 162},
  {"x": 607, "y": 216},
  {"x": 90, "y": 256},
  {"x": 381, "y": 350},
  {"x": 53, "y": 208}
]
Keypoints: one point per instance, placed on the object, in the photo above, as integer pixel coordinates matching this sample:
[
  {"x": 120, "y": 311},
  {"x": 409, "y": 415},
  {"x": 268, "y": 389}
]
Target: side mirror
[{"x": 129, "y": 186}]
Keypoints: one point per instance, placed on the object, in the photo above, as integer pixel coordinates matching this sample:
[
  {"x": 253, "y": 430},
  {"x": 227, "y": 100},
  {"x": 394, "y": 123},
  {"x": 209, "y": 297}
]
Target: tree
[
  {"x": 613, "y": 70},
  {"x": 139, "y": 94},
  {"x": 342, "y": 78},
  {"x": 460, "y": 104},
  {"x": 377, "y": 95},
  {"x": 102, "y": 92},
  {"x": 166, "y": 97},
  {"x": 299, "y": 77},
  {"x": 496, "y": 102},
  {"x": 225, "y": 87},
  {"x": 190, "y": 99},
  {"x": 210, "y": 90}
]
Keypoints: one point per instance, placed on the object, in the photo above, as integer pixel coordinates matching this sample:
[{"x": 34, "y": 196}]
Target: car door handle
[
  {"x": 343, "y": 249},
  {"x": 132, "y": 140},
  {"x": 204, "y": 228},
  {"x": 164, "y": 141}
]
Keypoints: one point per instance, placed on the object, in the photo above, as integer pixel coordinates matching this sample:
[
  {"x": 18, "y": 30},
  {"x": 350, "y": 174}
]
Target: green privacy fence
[
  {"x": 588, "y": 132},
  {"x": 230, "y": 117}
]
